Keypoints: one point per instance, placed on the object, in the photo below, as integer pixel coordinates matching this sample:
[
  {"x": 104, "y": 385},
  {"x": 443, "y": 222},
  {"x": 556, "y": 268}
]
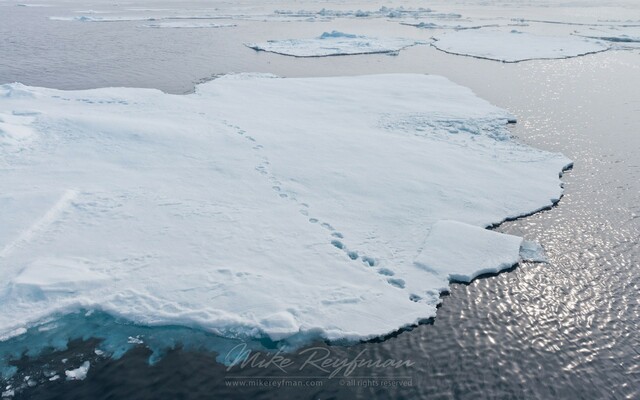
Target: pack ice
[
  {"x": 257, "y": 206},
  {"x": 333, "y": 44},
  {"x": 514, "y": 45}
]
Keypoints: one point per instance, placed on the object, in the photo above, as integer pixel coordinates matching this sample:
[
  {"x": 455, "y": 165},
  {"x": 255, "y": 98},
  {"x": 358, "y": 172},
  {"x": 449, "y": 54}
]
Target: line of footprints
[{"x": 337, "y": 239}]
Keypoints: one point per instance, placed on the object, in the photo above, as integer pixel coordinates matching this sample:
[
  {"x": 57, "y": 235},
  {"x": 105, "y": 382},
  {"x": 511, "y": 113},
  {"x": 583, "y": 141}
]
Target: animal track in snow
[{"x": 263, "y": 169}]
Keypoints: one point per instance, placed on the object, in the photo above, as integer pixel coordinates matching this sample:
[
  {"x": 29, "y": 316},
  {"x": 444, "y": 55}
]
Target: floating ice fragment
[
  {"x": 532, "y": 251},
  {"x": 334, "y": 44},
  {"x": 79, "y": 373}
]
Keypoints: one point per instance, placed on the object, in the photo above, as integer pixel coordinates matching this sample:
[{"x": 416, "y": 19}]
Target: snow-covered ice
[
  {"x": 514, "y": 46},
  {"x": 334, "y": 44},
  {"x": 78, "y": 374},
  {"x": 461, "y": 252},
  {"x": 259, "y": 206}
]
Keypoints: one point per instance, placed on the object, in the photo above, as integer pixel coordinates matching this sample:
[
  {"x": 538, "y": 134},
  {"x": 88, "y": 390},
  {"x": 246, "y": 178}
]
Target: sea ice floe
[
  {"x": 257, "y": 207},
  {"x": 334, "y": 44},
  {"x": 514, "y": 45}
]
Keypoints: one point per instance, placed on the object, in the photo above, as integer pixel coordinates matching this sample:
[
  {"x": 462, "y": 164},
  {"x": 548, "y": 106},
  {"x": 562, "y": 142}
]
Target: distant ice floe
[
  {"x": 188, "y": 25},
  {"x": 275, "y": 16},
  {"x": 334, "y": 44},
  {"x": 126, "y": 18},
  {"x": 620, "y": 37},
  {"x": 382, "y": 12},
  {"x": 514, "y": 46},
  {"x": 454, "y": 24},
  {"x": 620, "y": 23},
  {"x": 285, "y": 210}
]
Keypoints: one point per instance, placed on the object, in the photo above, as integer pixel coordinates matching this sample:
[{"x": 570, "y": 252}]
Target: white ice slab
[
  {"x": 514, "y": 45},
  {"x": 258, "y": 206},
  {"x": 334, "y": 44},
  {"x": 461, "y": 252}
]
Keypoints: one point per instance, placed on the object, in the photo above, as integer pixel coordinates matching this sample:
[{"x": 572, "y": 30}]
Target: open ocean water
[{"x": 566, "y": 329}]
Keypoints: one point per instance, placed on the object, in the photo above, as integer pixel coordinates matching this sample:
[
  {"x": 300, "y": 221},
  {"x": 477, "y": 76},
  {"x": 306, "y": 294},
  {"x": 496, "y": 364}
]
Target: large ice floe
[
  {"x": 256, "y": 207},
  {"x": 334, "y": 44},
  {"x": 514, "y": 45}
]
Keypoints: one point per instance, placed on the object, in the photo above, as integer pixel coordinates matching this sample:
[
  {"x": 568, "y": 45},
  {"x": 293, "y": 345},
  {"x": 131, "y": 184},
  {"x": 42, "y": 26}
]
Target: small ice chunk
[
  {"x": 79, "y": 373},
  {"x": 532, "y": 251},
  {"x": 135, "y": 340}
]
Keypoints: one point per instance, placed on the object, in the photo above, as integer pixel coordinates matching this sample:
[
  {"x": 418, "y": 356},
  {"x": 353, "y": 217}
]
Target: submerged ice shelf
[
  {"x": 287, "y": 209},
  {"x": 514, "y": 46},
  {"x": 334, "y": 44}
]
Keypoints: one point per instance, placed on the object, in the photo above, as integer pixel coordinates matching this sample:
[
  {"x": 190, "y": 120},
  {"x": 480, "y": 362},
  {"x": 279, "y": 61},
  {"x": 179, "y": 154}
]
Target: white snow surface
[
  {"x": 513, "y": 45},
  {"x": 334, "y": 44},
  {"x": 259, "y": 206}
]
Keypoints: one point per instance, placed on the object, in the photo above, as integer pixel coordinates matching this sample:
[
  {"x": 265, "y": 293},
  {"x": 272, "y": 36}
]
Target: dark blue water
[{"x": 566, "y": 329}]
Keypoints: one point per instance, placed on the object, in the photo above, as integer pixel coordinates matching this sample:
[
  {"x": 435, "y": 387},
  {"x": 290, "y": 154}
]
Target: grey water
[{"x": 565, "y": 329}]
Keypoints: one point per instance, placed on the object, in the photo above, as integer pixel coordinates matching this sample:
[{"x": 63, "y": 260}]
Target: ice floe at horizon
[
  {"x": 188, "y": 25},
  {"x": 453, "y": 24},
  {"x": 382, "y": 12},
  {"x": 275, "y": 16},
  {"x": 514, "y": 46},
  {"x": 334, "y": 44},
  {"x": 258, "y": 206},
  {"x": 133, "y": 18}
]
